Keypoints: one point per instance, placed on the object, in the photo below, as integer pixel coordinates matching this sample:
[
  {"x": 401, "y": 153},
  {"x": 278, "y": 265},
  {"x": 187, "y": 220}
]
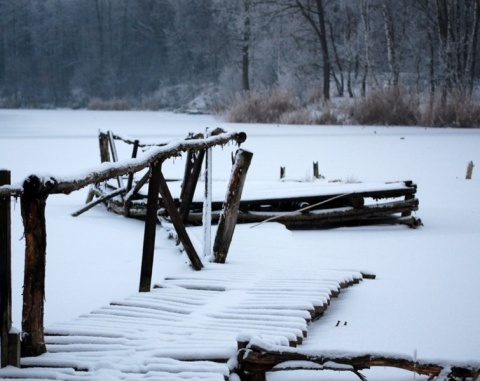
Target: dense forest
[{"x": 155, "y": 54}]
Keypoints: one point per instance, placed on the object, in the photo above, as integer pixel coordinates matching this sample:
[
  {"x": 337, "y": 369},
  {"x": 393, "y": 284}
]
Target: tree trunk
[
  {"x": 246, "y": 46},
  {"x": 325, "y": 55},
  {"x": 390, "y": 37}
]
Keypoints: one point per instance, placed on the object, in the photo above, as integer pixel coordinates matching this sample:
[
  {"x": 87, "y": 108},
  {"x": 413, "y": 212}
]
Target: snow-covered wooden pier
[{"x": 186, "y": 328}]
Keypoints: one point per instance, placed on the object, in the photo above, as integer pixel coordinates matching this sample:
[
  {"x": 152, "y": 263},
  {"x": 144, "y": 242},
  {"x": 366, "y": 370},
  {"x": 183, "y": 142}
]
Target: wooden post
[
  {"x": 33, "y": 203},
  {"x": 134, "y": 155},
  {"x": 178, "y": 224},
  {"x": 228, "y": 218},
  {"x": 315, "y": 170},
  {"x": 103, "y": 143},
  {"x": 10, "y": 347},
  {"x": 282, "y": 172},
  {"x": 469, "y": 170},
  {"x": 111, "y": 140},
  {"x": 150, "y": 228},
  {"x": 193, "y": 167}
]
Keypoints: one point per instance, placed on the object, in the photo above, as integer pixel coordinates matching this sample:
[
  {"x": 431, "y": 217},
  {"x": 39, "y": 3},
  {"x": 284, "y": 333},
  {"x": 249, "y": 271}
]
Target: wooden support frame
[{"x": 228, "y": 218}]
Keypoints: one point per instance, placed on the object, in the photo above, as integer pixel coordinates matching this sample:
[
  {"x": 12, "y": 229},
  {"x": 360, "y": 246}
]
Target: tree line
[{"x": 158, "y": 53}]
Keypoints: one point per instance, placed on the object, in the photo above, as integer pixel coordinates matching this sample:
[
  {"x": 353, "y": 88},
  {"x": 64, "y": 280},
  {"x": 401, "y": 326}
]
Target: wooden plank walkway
[{"x": 187, "y": 327}]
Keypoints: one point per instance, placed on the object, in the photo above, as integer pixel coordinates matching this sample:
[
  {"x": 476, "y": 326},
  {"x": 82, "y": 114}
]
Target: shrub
[
  {"x": 455, "y": 109},
  {"x": 261, "y": 107},
  {"x": 386, "y": 106}
]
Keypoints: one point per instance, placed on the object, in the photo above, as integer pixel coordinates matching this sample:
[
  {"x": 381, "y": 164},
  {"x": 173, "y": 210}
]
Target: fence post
[
  {"x": 33, "y": 203},
  {"x": 228, "y": 218},
  {"x": 10, "y": 341}
]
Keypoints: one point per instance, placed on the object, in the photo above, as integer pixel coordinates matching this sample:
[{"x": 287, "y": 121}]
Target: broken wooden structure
[
  {"x": 33, "y": 194},
  {"x": 329, "y": 204}
]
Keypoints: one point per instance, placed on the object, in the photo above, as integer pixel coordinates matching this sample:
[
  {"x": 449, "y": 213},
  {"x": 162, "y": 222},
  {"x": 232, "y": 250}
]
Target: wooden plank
[
  {"x": 99, "y": 200},
  {"x": 178, "y": 223}
]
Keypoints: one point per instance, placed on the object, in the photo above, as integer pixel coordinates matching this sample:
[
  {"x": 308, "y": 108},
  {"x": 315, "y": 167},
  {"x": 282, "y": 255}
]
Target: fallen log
[{"x": 258, "y": 357}]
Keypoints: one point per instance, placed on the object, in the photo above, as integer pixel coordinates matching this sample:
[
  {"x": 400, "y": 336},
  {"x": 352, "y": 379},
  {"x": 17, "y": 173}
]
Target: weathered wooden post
[
  {"x": 103, "y": 143},
  {"x": 207, "y": 206},
  {"x": 316, "y": 175},
  {"x": 193, "y": 167},
  {"x": 33, "y": 203},
  {"x": 130, "y": 175},
  {"x": 228, "y": 218},
  {"x": 282, "y": 172},
  {"x": 10, "y": 341},
  {"x": 150, "y": 228},
  {"x": 469, "y": 170}
]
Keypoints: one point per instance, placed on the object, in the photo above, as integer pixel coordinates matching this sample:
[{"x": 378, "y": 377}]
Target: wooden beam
[
  {"x": 97, "y": 201},
  {"x": 228, "y": 218},
  {"x": 150, "y": 228},
  {"x": 177, "y": 222}
]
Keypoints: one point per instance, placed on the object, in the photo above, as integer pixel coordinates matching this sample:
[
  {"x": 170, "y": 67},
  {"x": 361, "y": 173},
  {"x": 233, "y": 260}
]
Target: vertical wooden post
[
  {"x": 316, "y": 175},
  {"x": 10, "y": 347},
  {"x": 228, "y": 218},
  {"x": 282, "y": 172},
  {"x": 150, "y": 228},
  {"x": 469, "y": 170},
  {"x": 134, "y": 155},
  {"x": 193, "y": 167},
  {"x": 33, "y": 203},
  {"x": 103, "y": 143},
  {"x": 172, "y": 211}
]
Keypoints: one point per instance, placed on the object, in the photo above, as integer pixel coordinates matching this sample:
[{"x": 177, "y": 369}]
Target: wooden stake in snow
[
  {"x": 228, "y": 218},
  {"x": 469, "y": 170}
]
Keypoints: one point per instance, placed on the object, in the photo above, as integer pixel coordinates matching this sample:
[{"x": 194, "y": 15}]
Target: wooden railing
[{"x": 33, "y": 194}]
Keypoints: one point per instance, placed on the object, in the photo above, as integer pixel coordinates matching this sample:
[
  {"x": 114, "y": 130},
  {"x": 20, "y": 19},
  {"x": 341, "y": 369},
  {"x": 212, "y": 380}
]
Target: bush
[
  {"x": 388, "y": 106},
  {"x": 305, "y": 116},
  {"x": 116, "y": 104},
  {"x": 261, "y": 107},
  {"x": 455, "y": 109}
]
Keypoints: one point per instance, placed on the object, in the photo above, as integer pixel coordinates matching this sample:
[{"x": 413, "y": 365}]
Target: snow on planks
[{"x": 186, "y": 327}]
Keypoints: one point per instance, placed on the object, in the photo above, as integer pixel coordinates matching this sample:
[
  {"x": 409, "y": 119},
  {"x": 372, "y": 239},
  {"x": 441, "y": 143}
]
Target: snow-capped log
[
  {"x": 257, "y": 357},
  {"x": 229, "y": 214}
]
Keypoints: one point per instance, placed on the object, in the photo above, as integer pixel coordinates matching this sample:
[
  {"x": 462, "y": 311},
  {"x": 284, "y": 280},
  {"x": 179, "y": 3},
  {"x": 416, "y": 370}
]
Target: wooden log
[
  {"x": 33, "y": 203},
  {"x": 193, "y": 167},
  {"x": 177, "y": 222},
  {"x": 228, "y": 218},
  {"x": 150, "y": 228},
  {"x": 257, "y": 359},
  {"x": 9, "y": 342}
]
